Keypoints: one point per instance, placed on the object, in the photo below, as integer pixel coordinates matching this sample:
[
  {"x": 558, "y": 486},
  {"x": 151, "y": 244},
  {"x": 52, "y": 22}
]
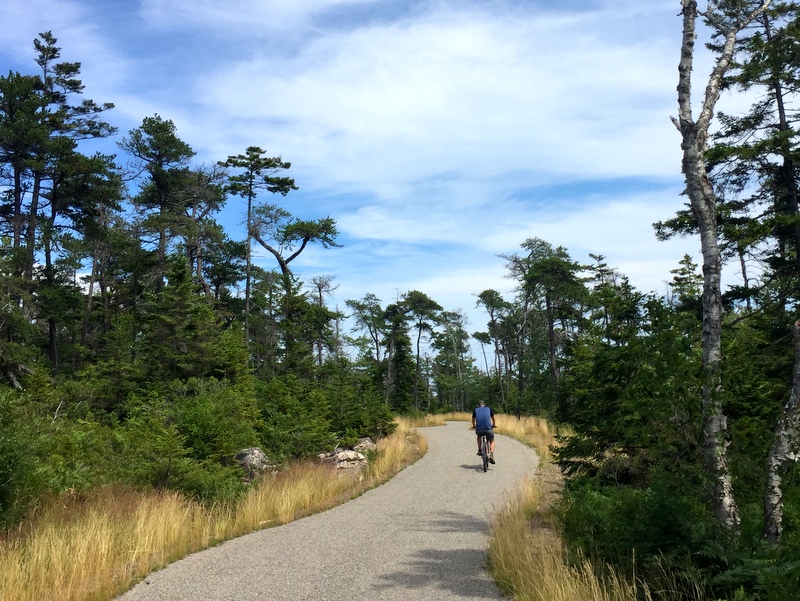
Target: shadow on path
[
  {"x": 459, "y": 571},
  {"x": 473, "y": 467},
  {"x": 450, "y": 521}
]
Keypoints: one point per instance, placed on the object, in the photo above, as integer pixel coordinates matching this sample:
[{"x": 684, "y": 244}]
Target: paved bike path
[{"x": 420, "y": 536}]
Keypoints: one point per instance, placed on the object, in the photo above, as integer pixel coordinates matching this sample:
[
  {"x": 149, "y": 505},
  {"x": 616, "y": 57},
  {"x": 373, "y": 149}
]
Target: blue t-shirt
[{"x": 483, "y": 418}]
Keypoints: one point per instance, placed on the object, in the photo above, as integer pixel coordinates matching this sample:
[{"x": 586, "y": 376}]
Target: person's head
[{"x": 482, "y": 403}]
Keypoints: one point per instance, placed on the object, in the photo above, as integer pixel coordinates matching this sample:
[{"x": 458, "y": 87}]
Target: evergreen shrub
[{"x": 19, "y": 483}]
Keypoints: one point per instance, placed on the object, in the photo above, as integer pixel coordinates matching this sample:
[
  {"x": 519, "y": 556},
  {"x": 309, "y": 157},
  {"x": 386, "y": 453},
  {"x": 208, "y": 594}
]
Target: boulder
[
  {"x": 253, "y": 461},
  {"x": 364, "y": 445}
]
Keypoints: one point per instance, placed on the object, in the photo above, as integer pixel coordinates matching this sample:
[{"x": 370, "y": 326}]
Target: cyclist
[{"x": 483, "y": 422}]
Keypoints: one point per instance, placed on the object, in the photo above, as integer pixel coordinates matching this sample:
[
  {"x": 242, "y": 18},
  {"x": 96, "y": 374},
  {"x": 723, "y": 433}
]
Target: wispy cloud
[
  {"x": 472, "y": 93},
  {"x": 439, "y": 134}
]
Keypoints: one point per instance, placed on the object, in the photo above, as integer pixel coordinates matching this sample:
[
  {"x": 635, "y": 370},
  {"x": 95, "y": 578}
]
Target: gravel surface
[{"x": 422, "y": 535}]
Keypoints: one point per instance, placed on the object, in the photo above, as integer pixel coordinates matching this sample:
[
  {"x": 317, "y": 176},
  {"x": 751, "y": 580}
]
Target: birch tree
[
  {"x": 727, "y": 19},
  {"x": 783, "y": 450}
]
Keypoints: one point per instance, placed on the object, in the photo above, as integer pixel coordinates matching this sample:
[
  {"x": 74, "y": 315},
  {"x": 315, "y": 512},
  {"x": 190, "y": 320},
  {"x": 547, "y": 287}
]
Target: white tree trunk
[
  {"x": 703, "y": 201},
  {"x": 784, "y": 449}
]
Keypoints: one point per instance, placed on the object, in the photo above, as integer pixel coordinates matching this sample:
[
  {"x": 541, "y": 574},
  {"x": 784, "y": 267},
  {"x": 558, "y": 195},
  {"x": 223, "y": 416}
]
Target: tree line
[{"x": 139, "y": 341}]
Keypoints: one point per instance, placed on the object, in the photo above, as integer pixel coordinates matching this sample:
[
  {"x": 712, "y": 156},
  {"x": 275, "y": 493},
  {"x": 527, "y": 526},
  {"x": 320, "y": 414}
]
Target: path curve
[{"x": 420, "y": 536}]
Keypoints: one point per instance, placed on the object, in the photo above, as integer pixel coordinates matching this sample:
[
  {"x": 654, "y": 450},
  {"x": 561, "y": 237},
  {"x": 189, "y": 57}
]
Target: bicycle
[{"x": 485, "y": 452}]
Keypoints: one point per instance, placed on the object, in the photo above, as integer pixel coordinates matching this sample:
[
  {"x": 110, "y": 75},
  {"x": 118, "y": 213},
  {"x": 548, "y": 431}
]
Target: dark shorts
[{"x": 489, "y": 434}]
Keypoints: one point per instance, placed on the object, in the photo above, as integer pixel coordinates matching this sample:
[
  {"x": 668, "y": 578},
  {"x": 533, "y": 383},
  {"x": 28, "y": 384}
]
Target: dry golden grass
[
  {"x": 395, "y": 452},
  {"x": 532, "y": 431},
  {"x": 90, "y": 547},
  {"x": 526, "y": 558},
  {"x": 457, "y": 416},
  {"x": 423, "y": 422},
  {"x": 94, "y": 546}
]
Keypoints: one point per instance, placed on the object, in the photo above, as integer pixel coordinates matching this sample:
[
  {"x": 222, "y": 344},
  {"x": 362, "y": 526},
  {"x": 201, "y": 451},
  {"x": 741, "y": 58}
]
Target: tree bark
[
  {"x": 417, "y": 370},
  {"x": 87, "y": 316},
  {"x": 552, "y": 355},
  {"x": 703, "y": 202},
  {"x": 30, "y": 231},
  {"x": 248, "y": 250},
  {"x": 784, "y": 449}
]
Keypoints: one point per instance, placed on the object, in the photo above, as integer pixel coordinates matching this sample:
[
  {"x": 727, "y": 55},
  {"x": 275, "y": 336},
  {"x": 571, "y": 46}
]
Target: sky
[{"x": 438, "y": 134}]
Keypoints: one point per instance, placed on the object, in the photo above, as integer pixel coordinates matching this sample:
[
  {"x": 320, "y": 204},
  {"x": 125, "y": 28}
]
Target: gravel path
[{"x": 422, "y": 535}]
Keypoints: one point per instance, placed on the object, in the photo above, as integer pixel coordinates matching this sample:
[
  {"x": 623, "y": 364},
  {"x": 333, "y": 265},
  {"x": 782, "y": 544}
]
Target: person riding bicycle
[{"x": 483, "y": 422}]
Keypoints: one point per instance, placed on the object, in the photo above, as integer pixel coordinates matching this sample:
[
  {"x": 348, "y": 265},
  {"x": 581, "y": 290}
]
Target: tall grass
[
  {"x": 423, "y": 421},
  {"x": 527, "y": 560},
  {"x": 94, "y": 546},
  {"x": 532, "y": 431}
]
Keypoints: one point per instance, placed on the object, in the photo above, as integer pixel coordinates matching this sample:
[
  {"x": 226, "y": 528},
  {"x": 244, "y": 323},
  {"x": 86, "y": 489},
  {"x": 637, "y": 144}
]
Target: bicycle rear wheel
[{"x": 485, "y": 453}]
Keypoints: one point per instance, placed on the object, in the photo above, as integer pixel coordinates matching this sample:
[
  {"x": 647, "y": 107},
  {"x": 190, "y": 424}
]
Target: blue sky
[{"x": 438, "y": 134}]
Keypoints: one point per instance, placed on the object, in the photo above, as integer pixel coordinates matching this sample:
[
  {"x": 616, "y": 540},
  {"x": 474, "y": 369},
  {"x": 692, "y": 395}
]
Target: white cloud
[
  {"x": 383, "y": 107},
  {"x": 438, "y": 137}
]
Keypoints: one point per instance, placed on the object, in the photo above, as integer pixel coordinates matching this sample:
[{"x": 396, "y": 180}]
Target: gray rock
[
  {"x": 344, "y": 459},
  {"x": 253, "y": 461},
  {"x": 364, "y": 445}
]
